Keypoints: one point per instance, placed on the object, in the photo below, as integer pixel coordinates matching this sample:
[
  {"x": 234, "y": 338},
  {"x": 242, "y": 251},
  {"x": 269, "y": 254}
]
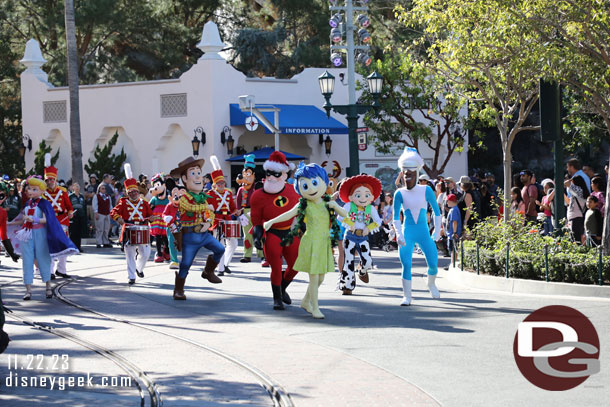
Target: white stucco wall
[{"x": 154, "y": 143}]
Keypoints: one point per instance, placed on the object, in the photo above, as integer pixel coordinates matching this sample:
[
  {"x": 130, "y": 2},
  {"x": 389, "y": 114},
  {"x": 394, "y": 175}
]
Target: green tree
[
  {"x": 104, "y": 162},
  {"x": 43, "y": 149},
  {"x": 492, "y": 61},
  {"x": 417, "y": 108}
]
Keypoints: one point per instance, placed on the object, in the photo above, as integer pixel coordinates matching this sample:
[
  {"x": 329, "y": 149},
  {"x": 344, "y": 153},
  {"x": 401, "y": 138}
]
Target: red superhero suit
[{"x": 266, "y": 206}]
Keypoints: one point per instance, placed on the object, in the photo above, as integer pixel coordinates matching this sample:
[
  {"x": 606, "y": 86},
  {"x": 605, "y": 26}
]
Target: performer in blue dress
[{"x": 413, "y": 201}]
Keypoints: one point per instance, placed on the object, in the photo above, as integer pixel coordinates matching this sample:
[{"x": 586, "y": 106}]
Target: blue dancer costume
[{"x": 414, "y": 204}]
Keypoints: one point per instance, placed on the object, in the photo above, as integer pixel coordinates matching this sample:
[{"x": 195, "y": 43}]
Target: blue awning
[
  {"x": 294, "y": 119},
  {"x": 263, "y": 155}
]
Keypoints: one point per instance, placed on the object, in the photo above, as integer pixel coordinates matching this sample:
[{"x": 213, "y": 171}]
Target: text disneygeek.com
[{"x": 59, "y": 382}]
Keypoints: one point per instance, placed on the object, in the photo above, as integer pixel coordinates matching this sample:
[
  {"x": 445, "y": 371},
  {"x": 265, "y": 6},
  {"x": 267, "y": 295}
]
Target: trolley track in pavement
[
  {"x": 143, "y": 382},
  {"x": 279, "y": 396}
]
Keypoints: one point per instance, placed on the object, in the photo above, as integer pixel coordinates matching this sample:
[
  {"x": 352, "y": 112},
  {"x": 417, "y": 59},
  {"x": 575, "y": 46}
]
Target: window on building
[{"x": 173, "y": 105}]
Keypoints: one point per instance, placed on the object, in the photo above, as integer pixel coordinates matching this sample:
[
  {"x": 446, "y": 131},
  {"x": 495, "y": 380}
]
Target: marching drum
[
  {"x": 231, "y": 228},
  {"x": 138, "y": 234}
]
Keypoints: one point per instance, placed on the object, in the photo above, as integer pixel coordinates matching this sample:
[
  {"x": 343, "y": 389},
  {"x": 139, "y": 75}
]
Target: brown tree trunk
[
  {"x": 72, "y": 57},
  {"x": 606, "y": 234}
]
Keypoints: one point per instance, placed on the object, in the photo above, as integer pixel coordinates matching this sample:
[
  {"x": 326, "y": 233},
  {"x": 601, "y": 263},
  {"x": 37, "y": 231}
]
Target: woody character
[
  {"x": 133, "y": 211},
  {"x": 59, "y": 200},
  {"x": 224, "y": 208},
  {"x": 196, "y": 217}
]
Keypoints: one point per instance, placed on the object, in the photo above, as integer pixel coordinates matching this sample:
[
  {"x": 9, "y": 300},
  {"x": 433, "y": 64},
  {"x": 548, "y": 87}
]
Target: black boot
[
  {"x": 8, "y": 246},
  {"x": 285, "y": 296},
  {"x": 277, "y": 297}
]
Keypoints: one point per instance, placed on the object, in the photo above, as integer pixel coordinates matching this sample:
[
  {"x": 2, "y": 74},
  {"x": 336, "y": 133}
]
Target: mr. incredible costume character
[
  {"x": 413, "y": 201},
  {"x": 196, "y": 217},
  {"x": 224, "y": 210},
  {"x": 157, "y": 226},
  {"x": 359, "y": 192},
  {"x": 132, "y": 210},
  {"x": 59, "y": 200},
  {"x": 8, "y": 246},
  {"x": 273, "y": 199},
  {"x": 244, "y": 198}
]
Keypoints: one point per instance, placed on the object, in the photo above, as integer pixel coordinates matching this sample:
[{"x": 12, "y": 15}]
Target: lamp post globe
[
  {"x": 375, "y": 82},
  {"x": 327, "y": 84}
]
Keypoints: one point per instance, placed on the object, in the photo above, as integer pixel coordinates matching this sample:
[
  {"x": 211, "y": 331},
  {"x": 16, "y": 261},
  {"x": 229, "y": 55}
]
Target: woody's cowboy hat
[{"x": 185, "y": 165}]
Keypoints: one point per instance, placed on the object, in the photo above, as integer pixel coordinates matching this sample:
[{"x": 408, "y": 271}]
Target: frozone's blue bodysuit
[{"x": 414, "y": 204}]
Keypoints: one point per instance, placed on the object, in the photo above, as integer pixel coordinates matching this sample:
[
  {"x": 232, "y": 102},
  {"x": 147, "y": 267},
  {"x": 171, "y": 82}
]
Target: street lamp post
[
  {"x": 349, "y": 35},
  {"x": 352, "y": 111}
]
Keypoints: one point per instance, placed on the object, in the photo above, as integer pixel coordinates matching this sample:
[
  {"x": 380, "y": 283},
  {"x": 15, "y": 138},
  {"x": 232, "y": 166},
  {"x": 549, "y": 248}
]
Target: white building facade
[{"x": 156, "y": 120}]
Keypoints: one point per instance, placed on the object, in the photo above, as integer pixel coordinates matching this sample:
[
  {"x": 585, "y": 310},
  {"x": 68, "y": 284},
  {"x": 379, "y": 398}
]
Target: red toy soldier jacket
[
  {"x": 131, "y": 212},
  {"x": 59, "y": 200},
  {"x": 223, "y": 204}
]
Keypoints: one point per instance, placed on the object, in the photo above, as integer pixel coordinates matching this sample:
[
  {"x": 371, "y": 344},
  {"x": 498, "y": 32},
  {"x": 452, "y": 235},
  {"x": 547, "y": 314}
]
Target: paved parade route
[{"x": 226, "y": 346}]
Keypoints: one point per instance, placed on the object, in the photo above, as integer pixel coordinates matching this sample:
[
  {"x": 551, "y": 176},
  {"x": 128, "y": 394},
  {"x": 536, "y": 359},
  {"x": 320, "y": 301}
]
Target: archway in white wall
[
  {"x": 174, "y": 146},
  {"x": 64, "y": 163},
  {"x": 123, "y": 142}
]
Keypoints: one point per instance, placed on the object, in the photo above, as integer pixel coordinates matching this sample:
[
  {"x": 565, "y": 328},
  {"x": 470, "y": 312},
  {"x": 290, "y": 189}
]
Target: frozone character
[
  {"x": 157, "y": 203},
  {"x": 59, "y": 200},
  {"x": 273, "y": 199},
  {"x": 224, "y": 210},
  {"x": 196, "y": 217},
  {"x": 359, "y": 192},
  {"x": 133, "y": 210},
  {"x": 413, "y": 200},
  {"x": 315, "y": 217},
  {"x": 41, "y": 237}
]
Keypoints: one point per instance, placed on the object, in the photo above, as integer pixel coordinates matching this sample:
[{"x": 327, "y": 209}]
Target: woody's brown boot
[
  {"x": 179, "y": 288},
  {"x": 208, "y": 271}
]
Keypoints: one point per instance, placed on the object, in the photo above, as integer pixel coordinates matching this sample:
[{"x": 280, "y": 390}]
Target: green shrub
[{"x": 568, "y": 262}]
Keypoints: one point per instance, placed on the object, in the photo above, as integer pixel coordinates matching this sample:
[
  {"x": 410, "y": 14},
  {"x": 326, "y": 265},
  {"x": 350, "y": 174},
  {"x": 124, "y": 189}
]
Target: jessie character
[
  {"x": 171, "y": 217},
  {"x": 133, "y": 210},
  {"x": 62, "y": 206},
  {"x": 196, "y": 217},
  {"x": 359, "y": 192},
  {"x": 273, "y": 199},
  {"x": 244, "y": 195},
  {"x": 224, "y": 210},
  {"x": 41, "y": 238},
  {"x": 157, "y": 204},
  {"x": 413, "y": 200},
  {"x": 315, "y": 217}
]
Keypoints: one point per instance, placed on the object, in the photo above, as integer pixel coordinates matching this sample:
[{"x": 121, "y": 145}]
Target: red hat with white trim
[{"x": 277, "y": 162}]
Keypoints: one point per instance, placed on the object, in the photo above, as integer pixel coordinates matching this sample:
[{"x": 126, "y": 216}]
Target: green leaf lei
[{"x": 300, "y": 226}]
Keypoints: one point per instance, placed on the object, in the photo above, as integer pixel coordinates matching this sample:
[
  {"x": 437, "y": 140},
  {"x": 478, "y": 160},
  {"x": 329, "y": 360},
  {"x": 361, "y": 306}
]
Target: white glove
[
  {"x": 243, "y": 220},
  {"x": 400, "y": 238},
  {"x": 437, "y": 228},
  {"x": 167, "y": 219}
]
